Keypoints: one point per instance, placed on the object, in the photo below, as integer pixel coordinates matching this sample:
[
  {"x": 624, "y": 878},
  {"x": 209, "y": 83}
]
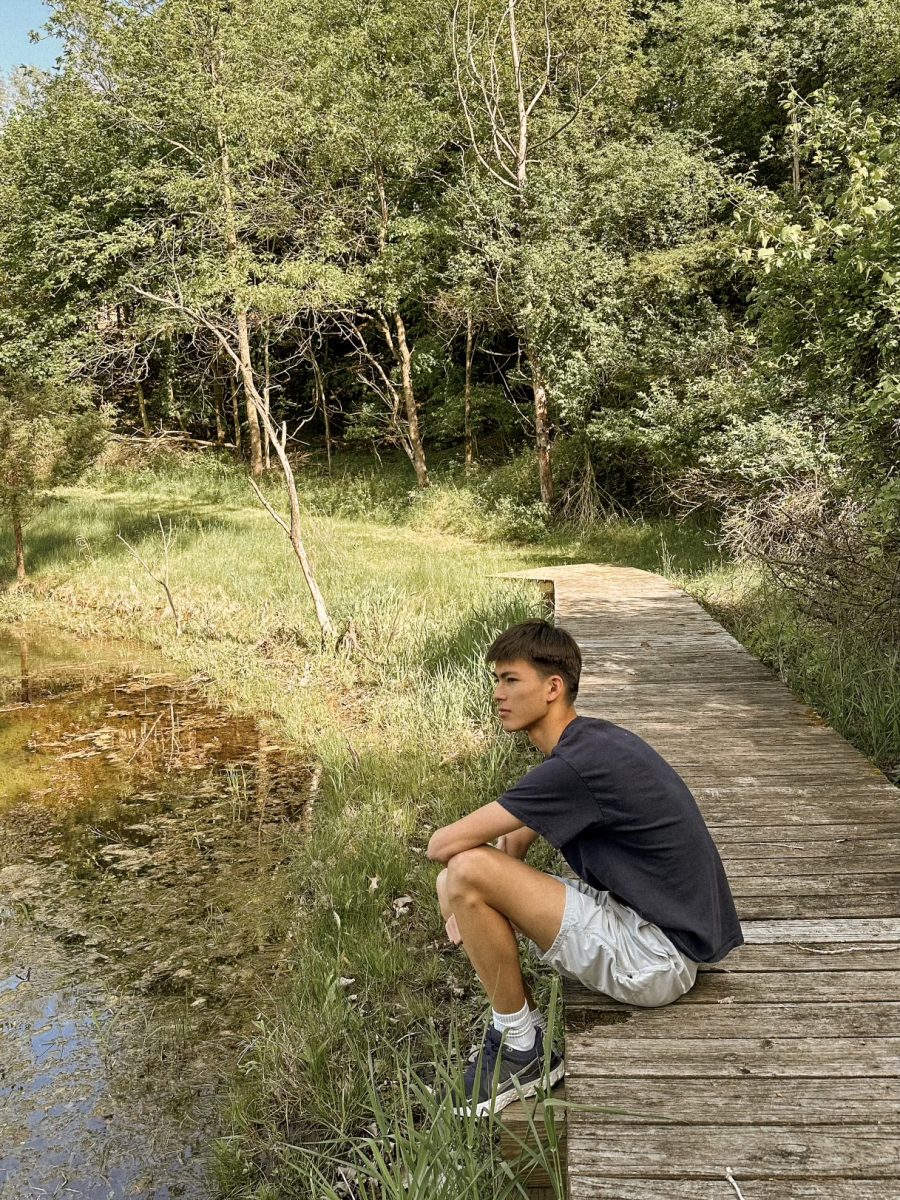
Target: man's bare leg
[{"x": 491, "y": 895}]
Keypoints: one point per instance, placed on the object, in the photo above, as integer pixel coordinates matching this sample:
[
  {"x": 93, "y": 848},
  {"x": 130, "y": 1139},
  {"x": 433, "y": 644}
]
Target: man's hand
[{"x": 453, "y": 931}]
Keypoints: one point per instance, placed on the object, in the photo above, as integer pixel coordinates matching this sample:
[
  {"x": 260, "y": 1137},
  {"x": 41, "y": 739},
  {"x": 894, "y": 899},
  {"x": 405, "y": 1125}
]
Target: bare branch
[
  {"x": 268, "y": 507},
  {"x": 163, "y": 582},
  {"x": 546, "y": 79},
  {"x": 507, "y": 178},
  {"x": 253, "y": 395}
]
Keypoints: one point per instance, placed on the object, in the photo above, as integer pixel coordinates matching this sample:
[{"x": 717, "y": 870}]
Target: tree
[
  {"x": 50, "y": 433},
  {"x": 523, "y": 78},
  {"x": 825, "y": 267},
  {"x": 380, "y": 148}
]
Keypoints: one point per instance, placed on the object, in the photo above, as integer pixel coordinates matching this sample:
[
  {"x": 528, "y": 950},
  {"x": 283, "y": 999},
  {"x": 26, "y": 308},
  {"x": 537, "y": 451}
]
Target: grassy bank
[{"x": 400, "y": 720}]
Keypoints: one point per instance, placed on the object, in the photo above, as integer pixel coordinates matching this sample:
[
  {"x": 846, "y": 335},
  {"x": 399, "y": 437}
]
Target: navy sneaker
[{"x": 498, "y": 1075}]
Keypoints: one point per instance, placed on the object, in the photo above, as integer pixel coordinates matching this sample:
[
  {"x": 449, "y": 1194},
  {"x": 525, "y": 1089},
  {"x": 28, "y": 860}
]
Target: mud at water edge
[{"x": 143, "y": 840}]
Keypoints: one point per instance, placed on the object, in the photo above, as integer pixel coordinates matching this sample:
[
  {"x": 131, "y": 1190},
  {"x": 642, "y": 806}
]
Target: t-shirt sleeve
[{"x": 553, "y": 800}]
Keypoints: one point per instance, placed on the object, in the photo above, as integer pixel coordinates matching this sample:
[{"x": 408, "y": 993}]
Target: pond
[{"x": 143, "y": 840}]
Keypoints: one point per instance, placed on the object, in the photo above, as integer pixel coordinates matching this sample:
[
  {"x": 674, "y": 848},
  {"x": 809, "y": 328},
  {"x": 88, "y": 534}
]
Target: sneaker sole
[{"x": 497, "y": 1103}]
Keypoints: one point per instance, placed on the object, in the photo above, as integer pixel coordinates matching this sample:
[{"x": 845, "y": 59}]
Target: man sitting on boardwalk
[{"x": 650, "y": 900}]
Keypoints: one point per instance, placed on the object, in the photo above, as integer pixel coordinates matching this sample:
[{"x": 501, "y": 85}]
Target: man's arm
[
  {"x": 484, "y": 825},
  {"x": 518, "y": 843}
]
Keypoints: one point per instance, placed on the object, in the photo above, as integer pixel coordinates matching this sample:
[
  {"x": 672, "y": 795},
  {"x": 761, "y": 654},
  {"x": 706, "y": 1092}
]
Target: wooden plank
[
  {"x": 747, "y": 815},
  {"x": 786, "y": 1152},
  {"x": 790, "y": 907},
  {"x": 735, "y": 790},
  {"x": 810, "y": 1058},
  {"x": 802, "y": 987},
  {"x": 758, "y": 1102},
  {"x": 821, "y": 956},
  {"x": 586, "y": 1012},
  {"x": 688, "y": 670},
  {"x": 836, "y": 866},
  {"x": 815, "y": 885},
  {"x": 830, "y": 931},
  {"x": 754, "y": 805},
  {"x": 712, "y": 1189},
  {"x": 751, "y": 764},
  {"x": 794, "y": 797},
  {"x": 824, "y": 841}
]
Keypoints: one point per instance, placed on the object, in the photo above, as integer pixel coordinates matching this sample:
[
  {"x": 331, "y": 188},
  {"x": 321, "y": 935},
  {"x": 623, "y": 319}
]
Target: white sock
[
  {"x": 540, "y": 1020},
  {"x": 518, "y": 1027}
]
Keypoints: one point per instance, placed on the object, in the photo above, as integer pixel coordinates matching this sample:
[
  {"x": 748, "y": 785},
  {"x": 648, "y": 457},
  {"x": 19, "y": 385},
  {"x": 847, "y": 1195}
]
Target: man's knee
[{"x": 465, "y": 871}]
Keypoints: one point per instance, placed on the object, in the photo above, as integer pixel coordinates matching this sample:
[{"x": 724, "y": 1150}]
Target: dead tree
[{"x": 226, "y": 339}]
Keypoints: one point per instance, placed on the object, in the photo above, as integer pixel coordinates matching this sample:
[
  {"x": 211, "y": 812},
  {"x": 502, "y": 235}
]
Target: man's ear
[{"x": 557, "y": 687}]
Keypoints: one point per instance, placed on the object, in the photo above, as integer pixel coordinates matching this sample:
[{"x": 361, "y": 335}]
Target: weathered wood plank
[
  {"x": 836, "y": 866},
  {"x": 780, "y": 842},
  {"x": 815, "y": 885},
  {"x": 739, "y": 789},
  {"x": 790, "y": 907},
  {"x": 748, "y": 816},
  {"x": 725, "y": 987},
  {"x": 821, "y": 956},
  {"x": 757, "y": 1102},
  {"x": 590, "y": 1013},
  {"x": 778, "y": 1057},
  {"x": 583, "y": 1188},
  {"x": 783, "y": 1151},
  {"x": 830, "y": 931}
]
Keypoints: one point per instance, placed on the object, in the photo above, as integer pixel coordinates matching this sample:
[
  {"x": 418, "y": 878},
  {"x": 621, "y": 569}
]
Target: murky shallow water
[{"x": 142, "y": 840}]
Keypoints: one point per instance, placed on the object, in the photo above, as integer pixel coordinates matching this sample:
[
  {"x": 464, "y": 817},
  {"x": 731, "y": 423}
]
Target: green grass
[{"x": 400, "y": 719}]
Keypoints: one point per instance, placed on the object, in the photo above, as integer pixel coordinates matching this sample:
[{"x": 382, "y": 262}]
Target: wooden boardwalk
[{"x": 782, "y": 1065}]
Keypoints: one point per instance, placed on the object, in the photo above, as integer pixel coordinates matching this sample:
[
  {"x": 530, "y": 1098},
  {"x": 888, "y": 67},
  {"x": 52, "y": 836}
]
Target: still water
[{"x": 143, "y": 840}]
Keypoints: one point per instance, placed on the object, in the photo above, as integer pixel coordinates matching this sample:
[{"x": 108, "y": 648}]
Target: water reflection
[{"x": 143, "y": 836}]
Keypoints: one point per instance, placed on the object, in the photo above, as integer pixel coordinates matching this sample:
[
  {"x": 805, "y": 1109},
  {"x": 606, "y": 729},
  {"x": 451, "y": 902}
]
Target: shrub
[{"x": 839, "y": 560}]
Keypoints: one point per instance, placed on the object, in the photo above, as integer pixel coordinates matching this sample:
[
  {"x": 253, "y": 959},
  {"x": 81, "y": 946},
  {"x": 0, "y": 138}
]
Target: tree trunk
[
  {"x": 20, "y": 544},
  {"x": 168, "y": 377},
  {"x": 541, "y": 428},
  {"x": 256, "y": 455},
  {"x": 294, "y": 528},
  {"x": 409, "y": 401},
  {"x": 142, "y": 409},
  {"x": 470, "y": 350},
  {"x": 218, "y": 405},
  {"x": 240, "y": 313},
  {"x": 267, "y": 386},
  {"x": 321, "y": 401},
  {"x": 236, "y": 413}
]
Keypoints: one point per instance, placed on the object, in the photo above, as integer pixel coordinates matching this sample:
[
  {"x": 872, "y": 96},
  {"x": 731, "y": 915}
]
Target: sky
[{"x": 17, "y": 17}]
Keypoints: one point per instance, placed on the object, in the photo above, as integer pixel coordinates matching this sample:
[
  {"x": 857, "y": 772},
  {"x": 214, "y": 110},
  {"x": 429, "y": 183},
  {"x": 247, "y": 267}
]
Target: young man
[{"x": 650, "y": 900}]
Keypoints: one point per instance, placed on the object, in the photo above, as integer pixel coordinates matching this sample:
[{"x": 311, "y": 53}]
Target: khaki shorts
[{"x": 609, "y": 948}]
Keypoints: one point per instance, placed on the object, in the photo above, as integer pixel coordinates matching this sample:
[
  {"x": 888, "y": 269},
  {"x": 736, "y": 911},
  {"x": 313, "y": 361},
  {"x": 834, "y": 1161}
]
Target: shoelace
[{"x": 489, "y": 1053}]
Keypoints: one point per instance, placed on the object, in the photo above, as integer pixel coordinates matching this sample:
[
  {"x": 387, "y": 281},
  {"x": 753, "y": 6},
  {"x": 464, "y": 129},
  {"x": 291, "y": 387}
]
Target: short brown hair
[{"x": 550, "y": 650}]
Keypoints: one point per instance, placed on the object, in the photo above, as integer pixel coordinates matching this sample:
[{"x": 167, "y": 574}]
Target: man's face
[{"x": 522, "y": 694}]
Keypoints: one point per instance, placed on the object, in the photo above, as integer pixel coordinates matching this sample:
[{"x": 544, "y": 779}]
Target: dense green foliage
[{"x": 672, "y": 225}]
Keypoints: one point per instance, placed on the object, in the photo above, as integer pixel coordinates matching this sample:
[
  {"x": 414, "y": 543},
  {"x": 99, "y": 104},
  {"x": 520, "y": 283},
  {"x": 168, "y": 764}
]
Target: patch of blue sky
[{"x": 17, "y": 19}]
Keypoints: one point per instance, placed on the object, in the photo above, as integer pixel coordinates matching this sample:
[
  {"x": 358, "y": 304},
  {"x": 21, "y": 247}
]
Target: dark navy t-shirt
[{"x": 625, "y": 822}]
